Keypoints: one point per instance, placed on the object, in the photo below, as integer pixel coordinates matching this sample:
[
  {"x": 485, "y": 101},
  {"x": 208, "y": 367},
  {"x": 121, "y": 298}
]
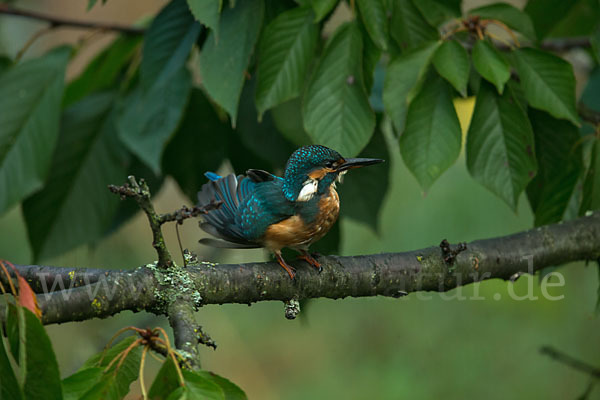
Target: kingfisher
[{"x": 260, "y": 209}]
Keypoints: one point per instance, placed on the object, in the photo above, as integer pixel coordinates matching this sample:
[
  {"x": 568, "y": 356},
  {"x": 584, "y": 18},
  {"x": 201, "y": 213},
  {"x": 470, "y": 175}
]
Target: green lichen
[
  {"x": 186, "y": 355},
  {"x": 208, "y": 264},
  {"x": 174, "y": 282},
  {"x": 97, "y": 305}
]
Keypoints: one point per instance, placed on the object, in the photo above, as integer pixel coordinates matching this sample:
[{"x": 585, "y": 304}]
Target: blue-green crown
[{"x": 301, "y": 163}]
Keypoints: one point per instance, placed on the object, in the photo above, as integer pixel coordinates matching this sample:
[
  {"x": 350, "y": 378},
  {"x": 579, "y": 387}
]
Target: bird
[{"x": 260, "y": 209}]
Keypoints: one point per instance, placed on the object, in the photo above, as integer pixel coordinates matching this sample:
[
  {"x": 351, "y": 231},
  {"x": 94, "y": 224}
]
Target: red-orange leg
[
  {"x": 291, "y": 271},
  {"x": 306, "y": 256}
]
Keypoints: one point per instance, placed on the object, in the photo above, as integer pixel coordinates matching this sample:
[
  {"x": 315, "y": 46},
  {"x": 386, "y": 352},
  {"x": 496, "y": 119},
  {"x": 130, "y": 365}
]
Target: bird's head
[{"x": 312, "y": 169}]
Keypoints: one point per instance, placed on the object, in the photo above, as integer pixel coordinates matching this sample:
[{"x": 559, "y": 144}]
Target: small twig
[
  {"x": 141, "y": 194},
  {"x": 31, "y": 40},
  {"x": 513, "y": 278},
  {"x": 205, "y": 339},
  {"x": 186, "y": 212},
  {"x": 292, "y": 308},
  {"x": 180, "y": 246},
  {"x": 570, "y": 361},
  {"x": 448, "y": 254},
  {"x": 588, "y": 114},
  {"x": 59, "y": 21}
]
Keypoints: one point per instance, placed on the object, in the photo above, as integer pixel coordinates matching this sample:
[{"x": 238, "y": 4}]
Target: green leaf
[
  {"x": 591, "y": 185},
  {"x": 80, "y": 382},
  {"x": 92, "y": 3},
  {"x": 560, "y": 165},
  {"x": 285, "y": 52},
  {"x": 74, "y": 206},
  {"x": 167, "y": 44},
  {"x": 5, "y": 64},
  {"x": 336, "y": 109},
  {"x": 582, "y": 20},
  {"x": 103, "y": 358},
  {"x": 275, "y": 7},
  {"x": 288, "y": 121},
  {"x": 594, "y": 42},
  {"x": 322, "y": 8},
  {"x": 509, "y": 15},
  {"x": 431, "y": 141},
  {"x": 598, "y": 291},
  {"x": 548, "y": 82},
  {"x": 30, "y": 97},
  {"x": 500, "y": 148},
  {"x": 12, "y": 331},
  {"x": 436, "y": 12},
  {"x": 546, "y": 14},
  {"x": 9, "y": 386},
  {"x": 374, "y": 16},
  {"x": 199, "y": 387},
  {"x": 262, "y": 138},
  {"x": 490, "y": 64},
  {"x": 223, "y": 63},
  {"x": 103, "y": 71},
  {"x": 151, "y": 117},
  {"x": 371, "y": 57},
  {"x": 230, "y": 389},
  {"x": 115, "y": 382},
  {"x": 452, "y": 62},
  {"x": 165, "y": 382},
  {"x": 408, "y": 26},
  {"x": 207, "y": 12},
  {"x": 199, "y": 145},
  {"x": 42, "y": 379},
  {"x": 591, "y": 93},
  {"x": 402, "y": 80},
  {"x": 363, "y": 190}
]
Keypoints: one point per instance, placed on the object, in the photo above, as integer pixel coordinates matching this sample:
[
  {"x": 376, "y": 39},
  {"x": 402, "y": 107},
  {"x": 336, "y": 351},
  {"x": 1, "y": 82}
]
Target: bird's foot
[
  {"x": 289, "y": 269},
  {"x": 309, "y": 258}
]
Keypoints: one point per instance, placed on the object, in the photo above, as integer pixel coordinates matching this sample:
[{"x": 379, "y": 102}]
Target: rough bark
[{"x": 390, "y": 274}]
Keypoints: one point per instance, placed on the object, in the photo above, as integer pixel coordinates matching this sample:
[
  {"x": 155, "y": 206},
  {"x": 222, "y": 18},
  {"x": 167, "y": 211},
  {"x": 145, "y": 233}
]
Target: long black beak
[{"x": 351, "y": 163}]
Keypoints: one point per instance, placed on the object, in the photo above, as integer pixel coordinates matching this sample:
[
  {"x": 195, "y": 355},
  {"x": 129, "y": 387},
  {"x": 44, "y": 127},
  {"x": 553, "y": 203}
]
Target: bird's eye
[{"x": 329, "y": 164}]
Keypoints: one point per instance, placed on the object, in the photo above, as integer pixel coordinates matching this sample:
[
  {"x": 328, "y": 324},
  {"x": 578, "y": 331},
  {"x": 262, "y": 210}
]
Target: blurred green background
[{"x": 422, "y": 346}]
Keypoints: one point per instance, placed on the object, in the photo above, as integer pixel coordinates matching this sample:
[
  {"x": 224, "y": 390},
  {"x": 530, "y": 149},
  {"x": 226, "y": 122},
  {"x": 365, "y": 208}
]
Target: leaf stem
[{"x": 60, "y": 21}]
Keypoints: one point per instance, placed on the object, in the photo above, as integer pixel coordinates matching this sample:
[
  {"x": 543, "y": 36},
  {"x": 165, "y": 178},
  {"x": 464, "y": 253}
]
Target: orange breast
[{"x": 293, "y": 232}]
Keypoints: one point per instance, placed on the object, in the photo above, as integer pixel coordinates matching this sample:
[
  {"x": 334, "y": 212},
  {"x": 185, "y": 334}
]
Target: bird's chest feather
[{"x": 307, "y": 226}]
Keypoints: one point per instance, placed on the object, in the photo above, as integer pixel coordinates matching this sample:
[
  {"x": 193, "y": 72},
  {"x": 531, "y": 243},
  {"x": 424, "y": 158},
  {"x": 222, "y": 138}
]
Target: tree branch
[
  {"x": 563, "y": 44},
  {"x": 557, "y": 45},
  {"x": 392, "y": 274},
  {"x": 59, "y": 21}
]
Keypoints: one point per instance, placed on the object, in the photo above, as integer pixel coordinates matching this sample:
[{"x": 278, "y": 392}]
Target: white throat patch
[{"x": 309, "y": 188}]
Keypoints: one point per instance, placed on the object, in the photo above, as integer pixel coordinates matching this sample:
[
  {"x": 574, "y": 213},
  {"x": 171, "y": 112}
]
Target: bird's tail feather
[{"x": 231, "y": 190}]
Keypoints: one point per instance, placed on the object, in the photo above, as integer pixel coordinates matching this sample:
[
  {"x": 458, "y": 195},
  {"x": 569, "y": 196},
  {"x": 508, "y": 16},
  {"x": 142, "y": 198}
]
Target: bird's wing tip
[{"x": 212, "y": 176}]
